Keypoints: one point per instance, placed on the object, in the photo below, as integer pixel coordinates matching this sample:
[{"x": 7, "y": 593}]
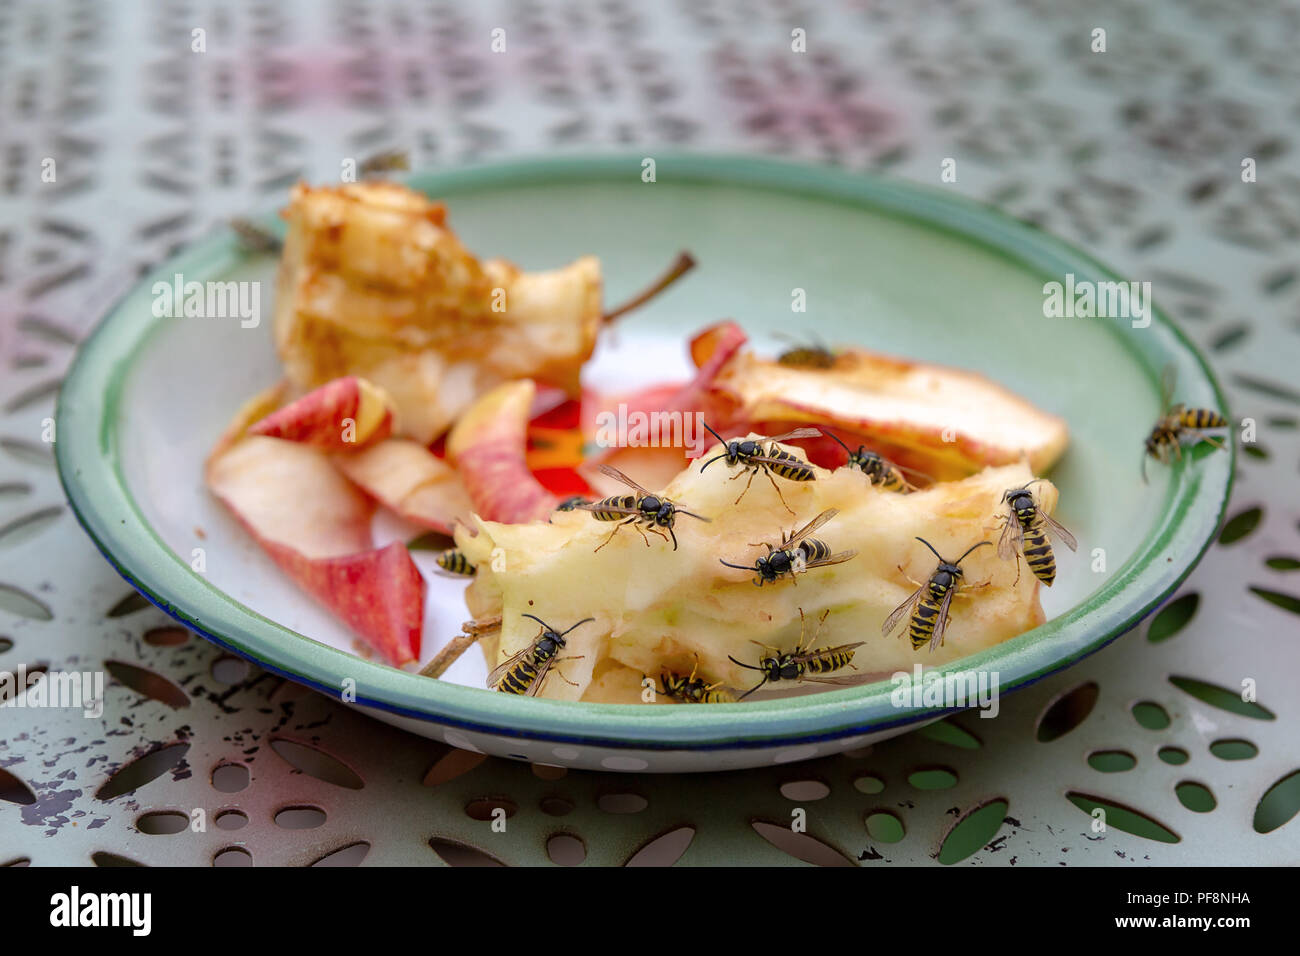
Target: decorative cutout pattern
[{"x": 1127, "y": 182}]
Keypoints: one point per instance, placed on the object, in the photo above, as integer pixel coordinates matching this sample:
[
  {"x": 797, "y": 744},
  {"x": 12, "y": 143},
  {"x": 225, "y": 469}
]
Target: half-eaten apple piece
[{"x": 657, "y": 608}]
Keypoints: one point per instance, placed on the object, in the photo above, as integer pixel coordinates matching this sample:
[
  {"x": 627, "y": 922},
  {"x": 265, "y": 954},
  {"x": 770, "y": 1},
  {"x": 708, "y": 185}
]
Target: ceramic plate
[{"x": 891, "y": 266}]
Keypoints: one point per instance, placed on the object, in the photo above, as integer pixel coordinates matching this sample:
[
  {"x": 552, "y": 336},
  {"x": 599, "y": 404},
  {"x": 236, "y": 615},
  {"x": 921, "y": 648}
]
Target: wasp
[
  {"x": 694, "y": 690},
  {"x": 572, "y": 503},
  {"x": 928, "y": 605},
  {"x": 1025, "y": 529},
  {"x": 1177, "y": 422},
  {"x": 641, "y": 508},
  {"x": 796, "y": 553},
  {"x": 254, "y": 238},
  {"x": 803, "y": 664},
  {"x": 766, "y": 456},
  {"x": 804, "y": 355},
  {"x": 882, "y": 472},
  {"x": 383, "y": 162},
  {"x": 453, "y": 561},
  {"x": 525, "y": 672}
]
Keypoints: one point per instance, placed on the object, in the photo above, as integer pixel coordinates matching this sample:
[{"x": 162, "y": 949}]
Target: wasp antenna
[
  {"x": 541, "y": 622},
  {"x": 712, "y": 432},
  {"x": 586, "y": 620},
  {"x": 746, "y": 666},
  {"x": 972, "y": 548},
  {"x": 839, "y": 441},
  {"x": 738, "y": 567},
  {"x": 692, "y": 514},
  {"x": 931, "y": 547},
  {"x": 1144, "y": 468},
  {"x": 711, "y": 460},
  {"x": 1034, "y": 481}
]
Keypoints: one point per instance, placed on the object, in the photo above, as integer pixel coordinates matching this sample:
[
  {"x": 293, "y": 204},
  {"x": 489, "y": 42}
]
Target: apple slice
[
  {"x": 488, "y": 446},
  {"x": 954, "y": 422},
  {"x": 346, "y": 414},
  {"x": 655, "y": 607},
  {"x": 408, "y": 479},
  {"x": 316, "y": 527}
]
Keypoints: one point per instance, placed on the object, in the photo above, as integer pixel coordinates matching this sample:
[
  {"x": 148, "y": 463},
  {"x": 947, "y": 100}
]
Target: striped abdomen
[
  {"x": 1037, "y": 549},
  {"x": 814, "y": 550},
  {"x": 1201, "y": 418},
  {"x": 829, "y": 659},
  {"x": 455, "y": 562},
  {"x": 600, "y": 509},
  {"x": 788, "y": 466},
  {"x": 882, "y": 473},
  {"x": 926, "y": 614},
  {"x": 519, "y": 678}
]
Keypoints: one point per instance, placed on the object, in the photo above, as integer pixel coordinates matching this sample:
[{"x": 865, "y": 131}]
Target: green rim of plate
[{"x": 87, "y": 453}]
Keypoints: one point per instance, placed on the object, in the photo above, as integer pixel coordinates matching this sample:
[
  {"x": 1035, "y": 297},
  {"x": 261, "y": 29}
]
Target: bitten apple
[{"x": 655, "y": 607}]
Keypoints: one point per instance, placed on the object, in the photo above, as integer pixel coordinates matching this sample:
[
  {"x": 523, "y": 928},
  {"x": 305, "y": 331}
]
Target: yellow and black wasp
[
  {"x": 525, "y": 672},
  {"x": 453, "y": 561},
  {"x": 572, "y": 502},
  {"x": 882, "y": 472},
  {"x": 796, "y": 554},
  {"x": 644, "y": 507},
  {"x": 255, "y": 238},
  {"x": 767, "y": 456},
  {"x": 813, "y": 355},
  {"x": 927, "y": 608},
  {"x": 389, "y": 160},
  {"x": 1025, "y": 530},
  {"x": 803, "y": 663},
  {"x": 1177, "y": 422},
  {"x": 694, "y": 690}
]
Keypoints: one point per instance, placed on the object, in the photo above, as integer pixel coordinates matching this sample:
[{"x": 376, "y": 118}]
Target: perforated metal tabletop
[{"x": 1135, "y": 153}]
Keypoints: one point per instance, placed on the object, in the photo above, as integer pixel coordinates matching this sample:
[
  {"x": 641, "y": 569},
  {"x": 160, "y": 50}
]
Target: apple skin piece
[
  {"x": 488, "y": 445},
  {"x": 316, "y": 527},
  {"x": 410, "y": 481},
  {"x": 949, "y": 422},
  {"x": 654, "y": 607},
  {"x": 374, "y": 283},
  {"x": 347, "y": 414}
]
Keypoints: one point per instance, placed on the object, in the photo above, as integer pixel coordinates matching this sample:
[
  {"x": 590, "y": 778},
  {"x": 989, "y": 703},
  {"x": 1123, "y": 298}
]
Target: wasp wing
[
  {"x": 606, "y": 507},
  {"x": 617, "y": 475},
  {"x": 1067, "y": 539},
  {"x": 941, "y": 625},
  {"x": 837, "y": 558},
  {"x": 903, "y": 610},
  {"x": 543, "y": 669},
  {"x": 845, "y": 680},
  {"x": 806, "y": 656},
  {"x": 797, "y": 433},
  {"x": 498, "y": 672},
  {"x": 1168, "y": 382},
  {"x": 808, "y": 529},
  {"x": 1012, "y": 537}
]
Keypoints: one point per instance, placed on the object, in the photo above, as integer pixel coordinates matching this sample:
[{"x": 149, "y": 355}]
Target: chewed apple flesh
[
  {"x": 655, "y": 607},
  {"x": 947, "y": 421},
  {"x": 374, "y": 283}
]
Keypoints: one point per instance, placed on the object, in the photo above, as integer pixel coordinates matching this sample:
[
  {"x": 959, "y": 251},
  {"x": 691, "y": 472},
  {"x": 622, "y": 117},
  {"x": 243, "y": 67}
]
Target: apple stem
[
  {"x": 459, "y": 644},
  {"x": 683, "y": 264}
]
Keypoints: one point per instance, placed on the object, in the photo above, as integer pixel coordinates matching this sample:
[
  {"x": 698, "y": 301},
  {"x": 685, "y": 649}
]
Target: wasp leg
[
  {"x": 961, "y": 592},
  {"x": 777, "y": 488},
  {"x": 1216, "y": 442},
  {"x": 641, "y": 530},
  {"x": 614, "y": 532},
  {"x": 911, "y": 580},
  {"x": 752, "y": 473}
]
